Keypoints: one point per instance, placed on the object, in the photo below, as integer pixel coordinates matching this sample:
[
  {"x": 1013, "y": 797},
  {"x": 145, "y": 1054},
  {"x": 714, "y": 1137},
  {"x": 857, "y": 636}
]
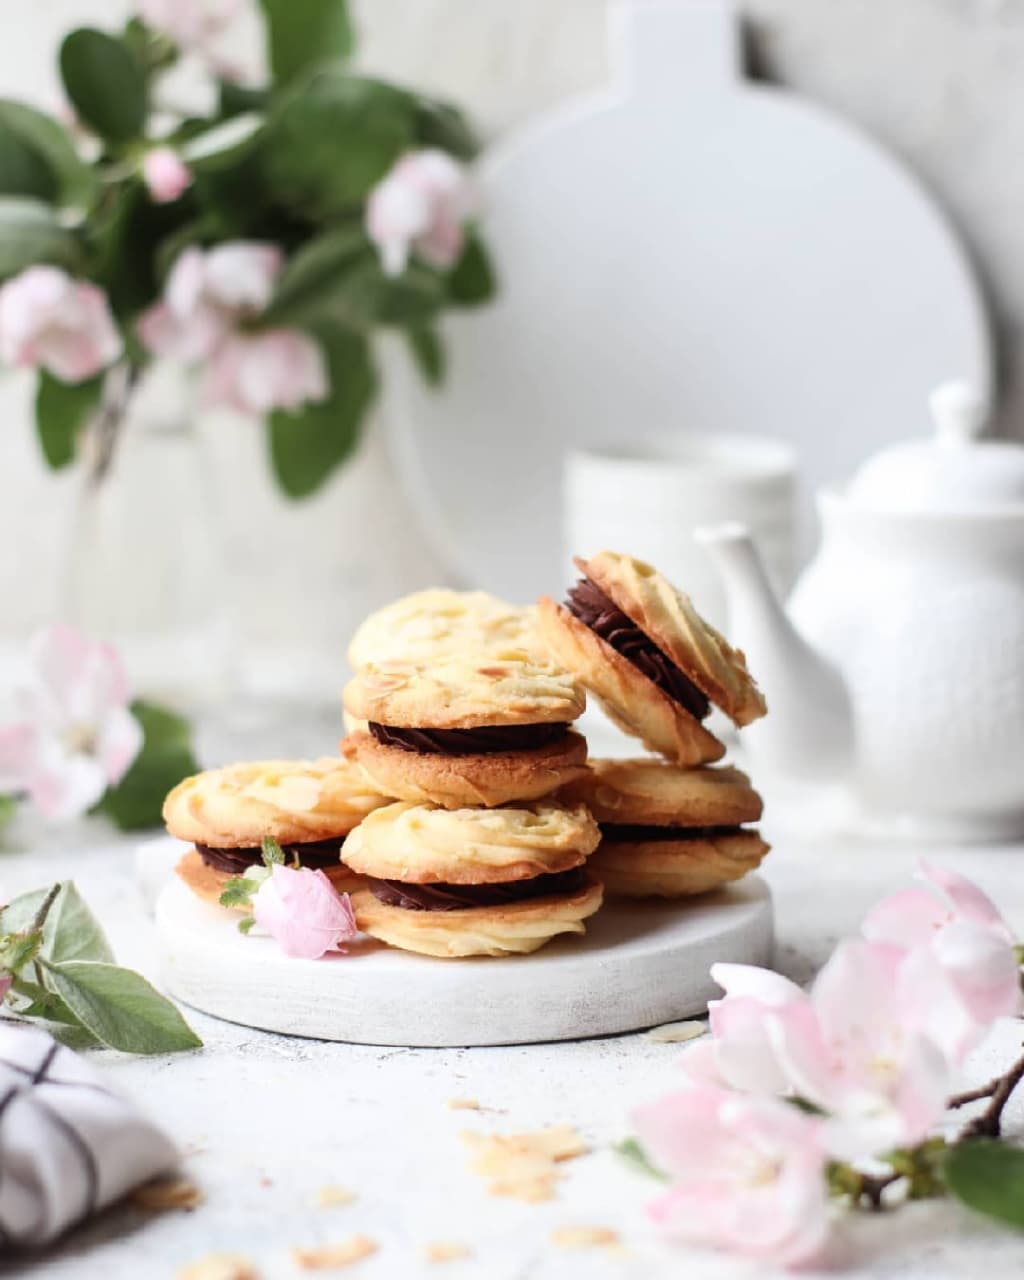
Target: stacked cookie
[
  {"x": 671, "y": 827},
  {"x": 308, "y": 807},
  {"x": 474, "y": 860}
]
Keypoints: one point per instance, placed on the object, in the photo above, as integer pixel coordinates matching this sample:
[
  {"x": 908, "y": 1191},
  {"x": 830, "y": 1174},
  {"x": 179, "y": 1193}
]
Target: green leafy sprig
[
  {"x": 239, "y": 891},
  {"x": 290, "y": 162},
  {"x": 62, "y": 972}
]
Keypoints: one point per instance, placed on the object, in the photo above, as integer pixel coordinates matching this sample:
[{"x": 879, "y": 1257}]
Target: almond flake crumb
[
  {"x": 676, "y": 1032},
  {"x": 167, "y": 1193},
  {"x": 335, "y": 1255},
  {"x": 334, "y": 1197},
  {"x": 220, "y": 1266},
  {"x": 523, "y": 1166},
  {"x": 464, "y": 1104},
  {"x": 446, "y": 1251},
  {"x": 584, "y": 1237}
]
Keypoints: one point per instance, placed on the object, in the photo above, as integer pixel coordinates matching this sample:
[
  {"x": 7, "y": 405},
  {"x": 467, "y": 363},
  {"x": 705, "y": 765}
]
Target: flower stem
[
  {"x": 974, "y": 1095},
  {"x": 872, "y": 1186},
  {"x": 989, "y": 1123}
]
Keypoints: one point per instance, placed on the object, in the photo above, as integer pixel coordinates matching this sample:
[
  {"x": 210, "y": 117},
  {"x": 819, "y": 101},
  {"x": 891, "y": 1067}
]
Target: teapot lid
[{"x": 954, "y": 471}]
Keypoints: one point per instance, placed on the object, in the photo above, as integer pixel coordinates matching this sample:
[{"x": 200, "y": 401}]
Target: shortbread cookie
[
  {"x": 431, "y": 625},
  {"x": 651, "y": 792},
  {"x": 451, "y": 923},
  {"x": 208, "y": 881},
  {"x": 421, "y": 843},
  {"x": 294, "y": 801},
  {"x": 638, "y": 705},
  {"x": 468, "y": 691},
  {"x": 667, "y": 620},
  {"x": 421, "y": 765},
  {"x": 674, "y": 862},
  {"x": 666, "y": 831}
]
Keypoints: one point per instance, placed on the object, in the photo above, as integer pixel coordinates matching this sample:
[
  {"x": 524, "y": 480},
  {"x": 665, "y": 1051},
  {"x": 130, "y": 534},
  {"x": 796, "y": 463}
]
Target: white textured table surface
[{"x": 270, "y": 1120}]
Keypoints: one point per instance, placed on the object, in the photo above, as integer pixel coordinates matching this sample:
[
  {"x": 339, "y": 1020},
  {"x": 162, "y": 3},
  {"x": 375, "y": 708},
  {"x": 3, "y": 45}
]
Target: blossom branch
[{"x": 989, "y": 1123}]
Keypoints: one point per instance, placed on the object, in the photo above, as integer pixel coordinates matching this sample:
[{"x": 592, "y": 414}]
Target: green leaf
[
  {"x": 306, "y": 446},
  {"x": 105, "y": 83},
  {"x": 305, "y": 290},
  {"x": 428, "y": 352},
  {"x": 237, "y": 892},
  {"x": 439, "y": 124},
  {"x": 245, "y": 925},
  {"x": 633, "y": 1153},
  {"x": 120, "y": 1007},
  {"x": 30, "y": 233},
  {"x": 8, "y": 808},
  {"x": 301, "y": 33},
  {"x": 235, "y": 99},
  {"x": 69, "y": 178},
  {"x": 329, "y": 141},
  {"x": 166, "y": 757},
  {"x": 70, "y": 932},
  {"x": 225, "y": 145},
  {"x": 18, "y": 949},
  {"x": 62, "y": 409},
  {"x": 272, "y": 852},
  {"x": 23, "y": 171},
  {"x": 988, "y": 1176},
  {"x": 472, "y": 279}
]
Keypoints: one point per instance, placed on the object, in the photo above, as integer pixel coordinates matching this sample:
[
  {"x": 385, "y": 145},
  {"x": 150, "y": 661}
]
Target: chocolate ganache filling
[
  {"x": 637, "y": 831},
  {"x": 322, "y": 853},
  {"x": 486, "y": 740},
  {"x": 457, "y": 897},
  {"x": 603, "y": 616}
]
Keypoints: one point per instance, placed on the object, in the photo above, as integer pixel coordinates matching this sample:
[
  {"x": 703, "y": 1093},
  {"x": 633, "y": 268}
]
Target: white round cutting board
[
  {"x": 688, "y": 252},
  {"x": 637, "y": 965}
]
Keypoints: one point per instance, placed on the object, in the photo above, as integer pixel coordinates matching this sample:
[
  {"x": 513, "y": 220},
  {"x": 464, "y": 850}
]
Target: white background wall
[{"x": 941, "y": 81}]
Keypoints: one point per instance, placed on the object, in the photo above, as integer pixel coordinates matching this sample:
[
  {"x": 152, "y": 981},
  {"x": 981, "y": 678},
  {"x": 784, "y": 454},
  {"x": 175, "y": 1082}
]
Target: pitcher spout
[{"x": 808, "y": 732}]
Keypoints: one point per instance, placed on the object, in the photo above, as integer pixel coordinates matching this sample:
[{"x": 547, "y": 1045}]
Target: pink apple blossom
[
  {"x": 166, "y": 175},
  {"x": 859, "y": 1045},
  {"x": 960, "y": 936},
  {"x": 207, "y": 293},
  {"x": 303, "y": 912},
  {"x": 747, "y": 1174},
  {"x": 51, "y": 321},
  {"x": 273, "y": 369},
  {"x": 422, "y": 205},
  {"x": 5, "y": 985},
  {"x": 194, "y": 25},
  {"x": 75, "y": 735}
]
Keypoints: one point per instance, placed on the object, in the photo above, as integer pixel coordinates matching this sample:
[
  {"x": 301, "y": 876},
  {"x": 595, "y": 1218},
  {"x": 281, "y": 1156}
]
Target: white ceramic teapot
[{"x": 900, "y": 664}]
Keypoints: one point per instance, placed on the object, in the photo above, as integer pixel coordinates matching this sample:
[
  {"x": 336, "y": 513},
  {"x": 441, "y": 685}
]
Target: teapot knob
[{"x": 959, "y": 413}]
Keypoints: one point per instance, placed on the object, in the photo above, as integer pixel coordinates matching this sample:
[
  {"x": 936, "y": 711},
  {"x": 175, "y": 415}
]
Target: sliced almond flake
[
  {"x": 220, "y": 1266},
  {"x": 329, "y": 1256},
  {"x": 166, "y": 1194},
  {"x": 523, "y": 1166},
  {"x": 584, "y": 1237},
  {"x": 463, "y": 1104},
  {"x": 334, "y": 1197},
  {"x": 446, "y": 1251},
  {"x": 676, "y": 1032}
]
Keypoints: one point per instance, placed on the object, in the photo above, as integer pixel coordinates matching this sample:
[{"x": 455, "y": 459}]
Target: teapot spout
[{"x": 808, "y": 732}]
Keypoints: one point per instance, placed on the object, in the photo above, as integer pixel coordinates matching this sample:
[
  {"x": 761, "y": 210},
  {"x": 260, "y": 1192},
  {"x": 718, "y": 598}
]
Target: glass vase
[{"x": 145, "y": 568}]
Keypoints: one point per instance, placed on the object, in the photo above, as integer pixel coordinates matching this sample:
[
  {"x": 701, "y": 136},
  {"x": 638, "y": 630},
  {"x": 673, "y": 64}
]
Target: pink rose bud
[
  {"x": 303, "y": 912},
  {"x": 166, "y": 175}
]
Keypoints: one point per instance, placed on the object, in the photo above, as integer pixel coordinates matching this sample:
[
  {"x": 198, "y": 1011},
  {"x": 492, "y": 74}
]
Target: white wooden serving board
[
  {"x": 689, "y": 251},
  {"x": 637, "y": 966}
]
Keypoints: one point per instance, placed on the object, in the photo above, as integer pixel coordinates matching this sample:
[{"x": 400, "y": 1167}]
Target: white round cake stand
[{"x": 638, "y": 965}]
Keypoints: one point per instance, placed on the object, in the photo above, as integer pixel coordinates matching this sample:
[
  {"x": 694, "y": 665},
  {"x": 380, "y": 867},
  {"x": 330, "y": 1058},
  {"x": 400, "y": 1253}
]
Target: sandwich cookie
[
  {"x": 668, "y": 832},
  {"x": 651, "y": 660},
  {"x": 467, "y": 730},
  {"x": 474, "y": 882},
  {"x": 308, "y": 807},
  {"x": 436, "y": 624}
]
